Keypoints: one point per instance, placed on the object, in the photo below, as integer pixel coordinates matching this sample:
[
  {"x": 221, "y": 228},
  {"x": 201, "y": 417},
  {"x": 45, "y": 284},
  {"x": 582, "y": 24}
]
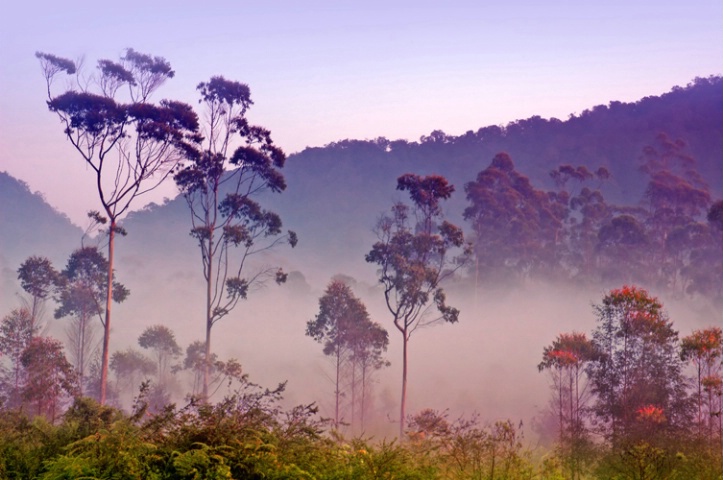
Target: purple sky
[{"x": 321, "y": 71}]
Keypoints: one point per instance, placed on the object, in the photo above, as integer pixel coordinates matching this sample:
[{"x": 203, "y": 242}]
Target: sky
[{"x": 322, "y": 71}]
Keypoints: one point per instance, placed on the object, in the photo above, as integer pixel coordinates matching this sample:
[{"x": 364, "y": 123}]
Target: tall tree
[
  {"x": 195, "y": 362},
  {"x": 566, "y": 359},
  {"x": 369, "y": 341},
  {"x": 129, "y": 143},
  {"x": 588, "y": 211},
  {"x": 51, "y": 378},
  {"x": 342, "y": 326},
  {"x": 702, "y": 271},
  {"x": 131, "y": 367},
  {"x": 517, "y": 227},
  {"x": 637, "y": 376},
  {"x": 414, "y": 255},
  {"x": 38, "y": 277},
  {"x": 220, "y": 371},
  {"x": 17, "y": 330},
  {"x": 623, "y": 247},
  {"x": 676, "y": 196},
  {"x": 704, "y": 349},
  {"x": 81, "y": 295},
  {"x": 237, "y": 163},
  {"x": 162, "y": 342}
]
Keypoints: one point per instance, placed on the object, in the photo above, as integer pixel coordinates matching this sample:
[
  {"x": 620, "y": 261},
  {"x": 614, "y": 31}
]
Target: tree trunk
[
  {"x": 560, "y": 404},
  {"x": 336, "y": 388},
  {"x": 207, "y": 360},
  {"x": 700, "y": 404},
  {"x": 403, "y": 406},
  {"x": 106, "y": 326},
  {"x": 209, "y": 318},
  {"x": 353, "y": 395},
  {"x": 363, "y": 395},
  {"x": 81, "y": 350}
]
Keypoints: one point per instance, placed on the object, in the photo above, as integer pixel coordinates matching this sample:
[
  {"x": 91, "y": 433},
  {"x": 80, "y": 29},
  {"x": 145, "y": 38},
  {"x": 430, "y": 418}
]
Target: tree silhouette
[
  {"x": 162, "y": 342},
  {"x": 414, "y": 256},
  {"x": 219, "y": 184},
  {"x": 17, "y": 330},
  {"x": 517, "y": 227},
  {"x": 587, "y": 212},
  {"x": 704, "y": 349},
  {"x": 369, "y": 341},
  {"x": 566, "y": 359},
  {"x": 51, "y": 379},
  {"x": 131, "y": 367},
  {"x": 350, "y": 339},
  {"x": 129, "y": 143},
  {"x": 81, "y": 295},
  {"x": 38, "y": 277},
  {"x": 676, "y": 196},
  {"x": 637, "y": 376},
  {"x": 339, "y": 311},
  {"x": 622, "y": 248}
]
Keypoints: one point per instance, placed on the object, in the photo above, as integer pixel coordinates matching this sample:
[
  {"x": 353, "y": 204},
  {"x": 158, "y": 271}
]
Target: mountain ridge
[{"x": 335, "y": 193}]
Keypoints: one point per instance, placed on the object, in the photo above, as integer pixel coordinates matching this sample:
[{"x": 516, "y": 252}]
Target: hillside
[
  {"x": 29, "y": 226},
  {"x": 336, "y": 193}
]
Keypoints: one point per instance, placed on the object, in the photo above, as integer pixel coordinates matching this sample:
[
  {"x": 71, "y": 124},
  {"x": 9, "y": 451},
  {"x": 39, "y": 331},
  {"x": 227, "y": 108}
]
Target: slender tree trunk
[
  {"x": 570, "y": 419},
  {"x": 476, "y": 281},
  {"x": 578, "y": 422},
  {"x": 81, "y": 350},
  {"x": 209, "y": 215},
  {"x": 108, "y": 301},
  {"x": 336, "y": 389},
  {"x": 34, "y": 314},
  {"x": 403, "y": 406},
  {"x": 709, "y": 420},
  {"x": 571, "y": 426},
  {"x": 16, "y": 389},
  {"x": 353, "y": 394},
  {"x": 700, "y": 404},
  {"x": 363, "y": 395},
  {"x": 560, "y": 405},
  {"x": 209, "y": 315},
  {"x": 207, "y": 359},
  {"x": 577, "y": 395}
]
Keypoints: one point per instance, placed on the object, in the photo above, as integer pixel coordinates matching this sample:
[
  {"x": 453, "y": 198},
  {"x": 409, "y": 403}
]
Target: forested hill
[
  {"x": 336, "y": 193},
  {"x": 612, "y": 136},
  {"x": 28, "y": 225}
]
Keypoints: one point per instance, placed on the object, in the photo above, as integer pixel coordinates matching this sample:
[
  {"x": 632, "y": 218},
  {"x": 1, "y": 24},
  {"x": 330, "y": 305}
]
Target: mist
[{"x": 485, "y": 364}]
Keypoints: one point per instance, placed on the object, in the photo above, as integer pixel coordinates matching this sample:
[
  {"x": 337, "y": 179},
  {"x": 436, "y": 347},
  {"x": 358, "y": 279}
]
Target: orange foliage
[{"x": 651, "y": 413}]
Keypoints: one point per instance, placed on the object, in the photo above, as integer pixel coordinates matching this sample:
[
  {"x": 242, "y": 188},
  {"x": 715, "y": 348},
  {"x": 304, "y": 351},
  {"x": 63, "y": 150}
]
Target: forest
[{"x": 631, "y": 398}]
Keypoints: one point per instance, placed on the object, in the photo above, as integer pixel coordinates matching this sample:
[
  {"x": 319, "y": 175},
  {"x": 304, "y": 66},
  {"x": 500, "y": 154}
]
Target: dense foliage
[{"x": 640, "y": 420}]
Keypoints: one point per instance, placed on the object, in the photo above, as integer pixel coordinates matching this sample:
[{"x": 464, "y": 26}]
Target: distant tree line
[
  {"x": 610, "y": 135},
  {"x": 670, "y": 240}
]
